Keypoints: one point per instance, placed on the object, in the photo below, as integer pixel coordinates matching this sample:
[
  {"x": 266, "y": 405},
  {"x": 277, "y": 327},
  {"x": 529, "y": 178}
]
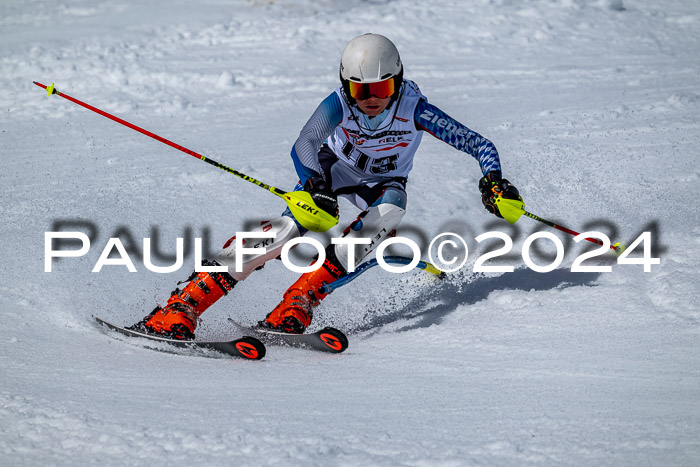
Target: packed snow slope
[{"x": 594, "y": 107}]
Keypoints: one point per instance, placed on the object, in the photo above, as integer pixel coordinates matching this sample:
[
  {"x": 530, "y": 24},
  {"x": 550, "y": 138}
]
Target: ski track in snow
[{"x": 593, "y": 106}]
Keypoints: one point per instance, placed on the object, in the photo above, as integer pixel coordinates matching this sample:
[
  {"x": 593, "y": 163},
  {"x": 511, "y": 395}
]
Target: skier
[{"x": 359, "y": 144}]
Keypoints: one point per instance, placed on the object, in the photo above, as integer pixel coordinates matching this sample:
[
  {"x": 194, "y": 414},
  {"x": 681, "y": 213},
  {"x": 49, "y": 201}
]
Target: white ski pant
[{"x": 375, "y": 224}]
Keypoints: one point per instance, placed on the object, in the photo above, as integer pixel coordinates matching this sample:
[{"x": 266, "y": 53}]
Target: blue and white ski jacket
[{"x": 372, "y": 150}]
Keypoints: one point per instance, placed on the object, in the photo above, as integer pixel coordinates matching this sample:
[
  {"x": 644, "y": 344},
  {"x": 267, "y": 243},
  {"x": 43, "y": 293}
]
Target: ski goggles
[{"x": 363, "y": 91}]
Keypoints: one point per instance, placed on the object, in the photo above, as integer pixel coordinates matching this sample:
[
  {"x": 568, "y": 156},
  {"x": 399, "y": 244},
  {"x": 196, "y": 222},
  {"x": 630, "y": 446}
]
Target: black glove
[
  {"x": 493, "y": 186},
  {"x": 322, "y": 195}
]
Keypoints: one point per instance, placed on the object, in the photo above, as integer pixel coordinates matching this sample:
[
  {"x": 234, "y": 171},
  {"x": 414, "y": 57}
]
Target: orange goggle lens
[{"x": 362, "y": 91}]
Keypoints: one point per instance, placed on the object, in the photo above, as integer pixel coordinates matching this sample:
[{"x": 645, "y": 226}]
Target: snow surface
[{"x": 594, "y": 108}]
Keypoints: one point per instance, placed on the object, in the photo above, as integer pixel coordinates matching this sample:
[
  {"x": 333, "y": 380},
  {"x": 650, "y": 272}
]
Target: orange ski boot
[
  {"x": 294, "y": 312},
  {"x": 178, "y": 318}
]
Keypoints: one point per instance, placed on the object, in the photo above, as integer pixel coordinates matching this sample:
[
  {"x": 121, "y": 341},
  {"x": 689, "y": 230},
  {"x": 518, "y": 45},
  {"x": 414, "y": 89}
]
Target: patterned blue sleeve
[
  {"x": 320, "y": 126},
  {"x": 442, "y": 126}
]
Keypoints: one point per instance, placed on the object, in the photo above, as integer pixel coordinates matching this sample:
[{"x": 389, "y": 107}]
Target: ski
[
  {"x": 245, "y": 347},
  {"x": 326, "y": 340}
]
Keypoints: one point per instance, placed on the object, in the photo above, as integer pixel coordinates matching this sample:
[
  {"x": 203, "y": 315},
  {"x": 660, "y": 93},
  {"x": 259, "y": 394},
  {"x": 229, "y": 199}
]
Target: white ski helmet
[{"x": 370, "y": 58}]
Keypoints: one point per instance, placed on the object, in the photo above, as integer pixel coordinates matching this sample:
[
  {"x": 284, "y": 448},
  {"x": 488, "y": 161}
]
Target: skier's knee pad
[
  {"x": 283, "y": 228},
  {"x": 392, "y": 195},
  {"x": 377, "y": 223}
]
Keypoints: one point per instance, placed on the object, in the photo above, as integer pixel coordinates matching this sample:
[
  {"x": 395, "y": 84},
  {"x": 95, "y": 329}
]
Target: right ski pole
[{"x": 300, "y": 203}]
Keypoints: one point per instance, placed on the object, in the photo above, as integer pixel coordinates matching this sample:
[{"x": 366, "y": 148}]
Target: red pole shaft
[
  {"x": 564, "y": 229},
  {"x": 127, "y": 124},
  {"x": 218, "y": 165}
]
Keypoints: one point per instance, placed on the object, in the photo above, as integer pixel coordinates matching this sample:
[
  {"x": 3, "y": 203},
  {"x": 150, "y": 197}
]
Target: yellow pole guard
[{"x": 510, "y": 209}]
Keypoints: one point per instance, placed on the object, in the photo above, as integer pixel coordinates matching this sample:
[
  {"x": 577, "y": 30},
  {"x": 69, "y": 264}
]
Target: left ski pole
[
  {"x": 512, "y": 209},
  {"x": 616, "y": 247},
  {"x": 299, "y": 202}
]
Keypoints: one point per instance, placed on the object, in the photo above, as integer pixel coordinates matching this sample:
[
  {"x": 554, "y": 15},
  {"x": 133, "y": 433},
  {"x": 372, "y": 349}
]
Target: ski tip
[
  {"x": 334, "y": 339},
  {"x": 251, "y": 348}
]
